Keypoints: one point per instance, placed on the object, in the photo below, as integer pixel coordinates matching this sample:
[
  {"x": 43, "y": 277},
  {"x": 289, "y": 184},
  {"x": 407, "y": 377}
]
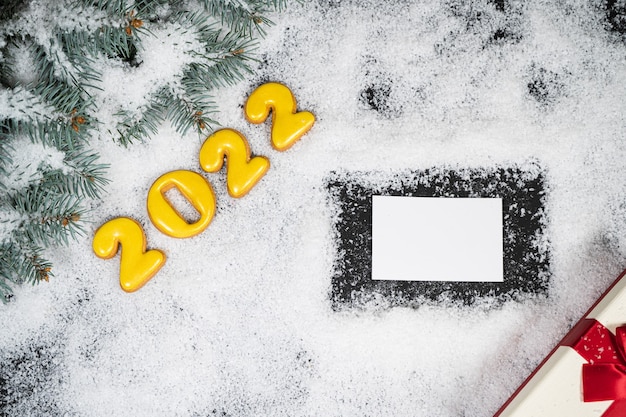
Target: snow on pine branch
[
  {"x": 29, "y": 162},
  {"x": 22, "y": 105}
]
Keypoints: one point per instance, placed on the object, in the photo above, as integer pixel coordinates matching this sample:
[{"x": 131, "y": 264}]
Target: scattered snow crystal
[{"x": 239, "y": 321}]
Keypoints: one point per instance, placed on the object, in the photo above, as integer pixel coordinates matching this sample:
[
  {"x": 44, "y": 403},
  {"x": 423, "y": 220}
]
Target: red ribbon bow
[{"x": 604, "y": 376}]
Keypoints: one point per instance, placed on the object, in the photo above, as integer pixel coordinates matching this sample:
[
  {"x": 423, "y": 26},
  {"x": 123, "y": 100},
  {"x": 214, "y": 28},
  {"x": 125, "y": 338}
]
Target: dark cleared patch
[
  {"x": 616, "y": 15},
  {"x": 526, "y": 258},
  {"x": 495, "y": 22},
  {"x": 469, "y": 11},
  {"x": 376, "y": 97},
  {"x": 505, "y": 36},
  {"x": 544, "y": 86},
  {"x": 30, "y": 381},
  {"x": 329, "y": 4},
  {"x": 509, "y": 30},
  {"x": 500, "y": 5},
  {"x": 4, "y": 394},
  {"x": 377, "y": 94},
  {"x": 212, "y": 413}
]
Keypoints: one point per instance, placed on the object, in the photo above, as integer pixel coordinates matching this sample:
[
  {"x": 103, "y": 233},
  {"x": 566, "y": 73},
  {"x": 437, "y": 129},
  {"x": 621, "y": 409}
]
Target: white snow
[
  {"x": 238, "y": 321},
  {"x": 29, "y": 161},
  {"x": 163, "y": 54},
  {"x": 19, "y": 104}
]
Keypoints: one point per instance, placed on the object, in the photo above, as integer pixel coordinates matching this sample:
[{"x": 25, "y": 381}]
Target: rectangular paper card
[
  {"x": 437, "y": 239},
  {"x": 440, "y": 234}
]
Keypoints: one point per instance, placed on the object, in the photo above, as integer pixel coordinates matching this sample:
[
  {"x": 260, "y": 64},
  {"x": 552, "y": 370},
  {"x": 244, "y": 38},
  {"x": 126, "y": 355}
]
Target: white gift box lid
[{"x": 555, "y": 387}]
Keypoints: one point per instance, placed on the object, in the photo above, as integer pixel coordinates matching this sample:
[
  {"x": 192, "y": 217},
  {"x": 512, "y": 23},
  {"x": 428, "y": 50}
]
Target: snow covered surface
[{"x": 238, "y": 321}]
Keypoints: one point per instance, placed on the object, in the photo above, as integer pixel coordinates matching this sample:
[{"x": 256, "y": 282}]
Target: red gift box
[{"x": 585, "y": 374}]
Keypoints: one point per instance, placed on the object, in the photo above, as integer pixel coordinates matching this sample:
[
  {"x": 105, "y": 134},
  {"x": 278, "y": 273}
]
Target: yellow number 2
[
  {"x": 243, "y": 172},
  {"x": 137, "y": 266},
  {"x": 288, "y": 125}
]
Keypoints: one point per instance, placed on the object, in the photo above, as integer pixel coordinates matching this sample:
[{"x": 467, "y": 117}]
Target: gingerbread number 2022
[
  {"x": 137, "y": 265},
  {"x": 288, "y": 125}
]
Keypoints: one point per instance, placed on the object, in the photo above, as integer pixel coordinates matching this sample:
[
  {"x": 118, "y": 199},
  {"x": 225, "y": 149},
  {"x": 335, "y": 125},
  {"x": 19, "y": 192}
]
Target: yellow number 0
[{"x": 195, "y": 188}]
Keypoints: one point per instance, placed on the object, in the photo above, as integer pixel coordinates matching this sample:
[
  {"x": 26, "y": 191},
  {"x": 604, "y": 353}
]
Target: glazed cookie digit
[
  {"x": 242, "y": 172},
  {"x": 195, "y": 188},
  {"x": 288, "y": 125},
  {"x": 137, "y": 266}
]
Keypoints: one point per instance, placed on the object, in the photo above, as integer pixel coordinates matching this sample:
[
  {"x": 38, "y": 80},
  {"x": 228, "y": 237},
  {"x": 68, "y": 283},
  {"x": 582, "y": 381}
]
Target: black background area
[{"x": 526, "y": 257}]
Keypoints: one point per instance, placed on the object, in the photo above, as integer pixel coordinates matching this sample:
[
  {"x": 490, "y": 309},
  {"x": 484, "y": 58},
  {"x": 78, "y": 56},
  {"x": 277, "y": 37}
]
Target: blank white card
[{"x": 437, "y": 239}]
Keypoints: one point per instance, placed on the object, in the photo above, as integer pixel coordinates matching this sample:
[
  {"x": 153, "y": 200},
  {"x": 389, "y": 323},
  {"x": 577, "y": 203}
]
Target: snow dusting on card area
[{"x": 240, "y": 321}]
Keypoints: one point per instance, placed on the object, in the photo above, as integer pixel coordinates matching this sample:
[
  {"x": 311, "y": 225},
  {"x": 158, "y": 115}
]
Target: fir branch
[
  {"x": 244, "y": 17},
  {"x": 150, "y": 8},
  {"x": 114, "y": 42},
  {"x": 222, "y": 73},
  {"x": 225, "y": 60},
  {"x": 112, "y": 7},
  {"x": 6, "y": 293},
  {"x": 66, "y": 99},
  {"x": 81, "y": 48},
  {"x": 55, "y": 115},
  {"x": 58, "y": 133},
  {"x": 83, "y": 175},
  {"x": 21, "y": 105},
  {"x": 6, "y": 70},
  {"x": 52, "y": 65},
  {"x": 137, "y": 127},
  {"x": 184, "y": 112},
  {"x": 5, "y": 153},
  {"x": 50, "y": 217},
  {"x": 19, "y": 264},
  {"x": 134, "y": 24}
]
